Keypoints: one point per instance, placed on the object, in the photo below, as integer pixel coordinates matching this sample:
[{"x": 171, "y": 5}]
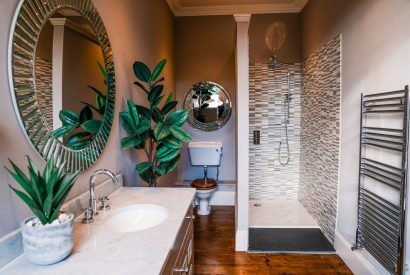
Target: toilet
[{"x": 205, "y": 154}]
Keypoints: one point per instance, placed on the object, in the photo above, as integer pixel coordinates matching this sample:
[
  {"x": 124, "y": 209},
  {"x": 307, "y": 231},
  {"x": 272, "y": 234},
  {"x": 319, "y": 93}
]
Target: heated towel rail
[{"x": 381, "y": 223}]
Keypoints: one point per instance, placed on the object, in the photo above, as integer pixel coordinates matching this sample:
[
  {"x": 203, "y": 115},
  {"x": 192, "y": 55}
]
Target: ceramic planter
[{"x": 50, "y": 244}]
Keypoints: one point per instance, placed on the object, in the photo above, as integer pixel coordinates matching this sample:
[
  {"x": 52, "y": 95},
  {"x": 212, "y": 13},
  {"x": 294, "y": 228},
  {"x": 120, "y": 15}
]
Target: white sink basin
[{"x": 136, "y": 217}]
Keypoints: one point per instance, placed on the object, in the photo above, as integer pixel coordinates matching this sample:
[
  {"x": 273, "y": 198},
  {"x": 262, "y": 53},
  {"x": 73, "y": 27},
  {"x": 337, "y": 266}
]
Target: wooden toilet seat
[{"x": 200, "y": 184}]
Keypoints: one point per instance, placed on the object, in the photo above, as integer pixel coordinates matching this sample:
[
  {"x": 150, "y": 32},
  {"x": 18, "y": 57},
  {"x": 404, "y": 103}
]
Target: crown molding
[{"x": 179, "y": 10}]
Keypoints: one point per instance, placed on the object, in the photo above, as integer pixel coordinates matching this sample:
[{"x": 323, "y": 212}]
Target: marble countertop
[{"x": 98, "y": 250}]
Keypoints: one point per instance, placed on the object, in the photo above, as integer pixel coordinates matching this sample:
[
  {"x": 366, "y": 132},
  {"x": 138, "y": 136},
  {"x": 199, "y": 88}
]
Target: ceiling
[{"x": 228, "y": 7}]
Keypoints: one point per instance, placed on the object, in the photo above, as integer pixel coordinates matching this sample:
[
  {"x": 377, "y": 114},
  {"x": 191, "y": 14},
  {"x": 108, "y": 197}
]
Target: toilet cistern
[{"x": 205, "y": 154}]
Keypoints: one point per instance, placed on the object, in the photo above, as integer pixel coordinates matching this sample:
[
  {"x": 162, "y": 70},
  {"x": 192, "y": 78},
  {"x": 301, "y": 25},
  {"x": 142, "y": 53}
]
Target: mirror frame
[
  {"x": 29, "y": 18},
  {"x": 212, "y": 126}
]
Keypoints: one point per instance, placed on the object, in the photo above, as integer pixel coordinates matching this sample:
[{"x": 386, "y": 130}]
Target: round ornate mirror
[
  {"x": 61, "y": 74},
  {"x": 209, "y": 106}
]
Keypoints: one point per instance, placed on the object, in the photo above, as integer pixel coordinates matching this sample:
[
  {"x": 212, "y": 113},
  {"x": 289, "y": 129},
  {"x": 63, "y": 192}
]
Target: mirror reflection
[
  {"x": 209, "y": 106},
  {"x": 70, "y": 78}
]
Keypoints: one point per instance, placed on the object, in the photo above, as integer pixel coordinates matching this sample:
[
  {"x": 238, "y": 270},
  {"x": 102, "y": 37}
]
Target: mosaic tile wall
[
  {"x": 44, "y": 89},
  {"x": 320, "y": 128},
  {"x": 268, "y": 87}
]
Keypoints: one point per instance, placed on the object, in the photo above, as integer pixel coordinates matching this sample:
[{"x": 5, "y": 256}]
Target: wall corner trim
[
  {"x": 246, "y": 17},
  {"x": 241, "y": 240}
]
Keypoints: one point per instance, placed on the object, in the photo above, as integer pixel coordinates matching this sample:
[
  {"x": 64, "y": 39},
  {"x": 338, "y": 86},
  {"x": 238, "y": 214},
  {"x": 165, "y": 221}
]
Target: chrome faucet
[{"x": 93, "y": 199}]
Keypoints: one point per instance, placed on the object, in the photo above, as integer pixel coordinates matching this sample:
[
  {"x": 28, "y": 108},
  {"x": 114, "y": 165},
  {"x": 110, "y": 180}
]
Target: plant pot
[{"x": 50, "y": 244}]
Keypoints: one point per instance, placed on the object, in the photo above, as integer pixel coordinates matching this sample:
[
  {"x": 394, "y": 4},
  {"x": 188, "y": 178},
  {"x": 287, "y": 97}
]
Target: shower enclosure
[
  {"x": 294, "y": 163},
  {"x": 275, "y": 108}
]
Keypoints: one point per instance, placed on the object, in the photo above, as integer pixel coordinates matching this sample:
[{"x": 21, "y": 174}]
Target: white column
[
  {"x": 242, "y": 121},
  {"x": 57, "y": 83}
]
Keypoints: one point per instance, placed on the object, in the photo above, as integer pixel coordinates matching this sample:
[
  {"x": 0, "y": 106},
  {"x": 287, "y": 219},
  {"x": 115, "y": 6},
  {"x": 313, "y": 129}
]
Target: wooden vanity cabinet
[{"x": 181, "y": 257}]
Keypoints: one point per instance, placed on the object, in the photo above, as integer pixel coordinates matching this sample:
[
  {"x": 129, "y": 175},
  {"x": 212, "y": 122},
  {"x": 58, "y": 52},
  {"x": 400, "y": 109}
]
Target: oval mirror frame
[
  {"x": 28, "y": 21},
  {"x": 221, "y": 120}
]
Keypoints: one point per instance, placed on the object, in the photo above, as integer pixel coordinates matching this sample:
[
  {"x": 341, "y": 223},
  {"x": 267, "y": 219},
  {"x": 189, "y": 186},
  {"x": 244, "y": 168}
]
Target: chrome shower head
[{"x": 274, "y": 63}]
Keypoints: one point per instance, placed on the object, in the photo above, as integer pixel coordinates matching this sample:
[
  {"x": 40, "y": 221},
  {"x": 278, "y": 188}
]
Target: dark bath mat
[{"x": 288, "y": 240}]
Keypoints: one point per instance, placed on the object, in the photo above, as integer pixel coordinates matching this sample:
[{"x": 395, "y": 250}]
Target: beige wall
[
  {"x": 290, "y": 52},
  {"x": 204, "y": 50},
  {"x": 375, "y": 58},
  {"x": 144, "y": 31},
  {"x": 79, "y": 70}
]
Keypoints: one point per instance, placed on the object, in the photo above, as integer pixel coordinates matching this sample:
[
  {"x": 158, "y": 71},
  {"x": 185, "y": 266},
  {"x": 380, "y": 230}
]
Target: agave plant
[
  {"x": 155, "y": 129},
  {"x": 44, "y": 194}
]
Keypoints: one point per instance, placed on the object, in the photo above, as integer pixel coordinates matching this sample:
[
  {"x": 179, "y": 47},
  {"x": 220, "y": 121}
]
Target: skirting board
[
  {"x": 359, "y": 262},
  {"x": 224, "y": 194}
]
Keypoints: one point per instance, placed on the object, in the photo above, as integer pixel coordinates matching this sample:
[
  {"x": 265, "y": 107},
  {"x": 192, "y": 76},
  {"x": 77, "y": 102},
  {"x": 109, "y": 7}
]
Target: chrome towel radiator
[{"x": 381, "y": 222}]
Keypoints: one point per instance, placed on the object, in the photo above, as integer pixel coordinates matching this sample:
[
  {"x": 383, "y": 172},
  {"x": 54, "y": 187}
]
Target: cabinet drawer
[{"x": 177, "y": 254}]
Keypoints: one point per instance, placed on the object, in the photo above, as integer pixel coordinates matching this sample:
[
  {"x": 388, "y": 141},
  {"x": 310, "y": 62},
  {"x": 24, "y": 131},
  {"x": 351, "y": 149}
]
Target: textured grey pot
[{"x": 48, "y": 245}]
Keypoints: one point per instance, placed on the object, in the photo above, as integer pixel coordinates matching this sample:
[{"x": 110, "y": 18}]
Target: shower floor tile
[{"x": 279, "y": 213}]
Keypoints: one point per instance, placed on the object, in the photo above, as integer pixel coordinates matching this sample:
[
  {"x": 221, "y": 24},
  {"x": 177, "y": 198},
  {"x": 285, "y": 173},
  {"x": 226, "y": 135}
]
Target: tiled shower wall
[
  {"x": 268, "y": 179},
  {"x": 320, "y": 128}
]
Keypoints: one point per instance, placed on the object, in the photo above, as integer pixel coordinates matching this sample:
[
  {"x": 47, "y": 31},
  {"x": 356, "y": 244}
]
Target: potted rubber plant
[
  {"x": 47, "y": 236},
  {"x": 156, "y": 129}
]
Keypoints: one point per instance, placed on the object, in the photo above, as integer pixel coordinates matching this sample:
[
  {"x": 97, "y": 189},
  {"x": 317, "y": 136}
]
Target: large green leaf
[
  {"x": 93, "y": 126},
  {"x": 48, "y": 204},
  {"x": 141, "y": 71},
  {"x": 156, "y": 114},
  {"x": 171, "y": 142},
  {"x": 144, "y": 112},
  {"x": 158, "y": 80},
  {"x": 68, "y": 117},
  {"x": 65, "y": 186},
  {"x": 158, "y": 69},
  {"x": 132, "y": 110},
  {"x": 86, "y": 114},
  {"x": 162, "y": 151},
  {"x": 161, "y": 170},
  {"x": 169, "y": 98},
  {"x": 127, "y": 123},
  {"x": 93, "y": 107},
  {"x": 180, "y": 133},
  {"x": 63, "y": 131},
  {"x": 161, "y": 131},
  {"x": 32, "y": 205},
  {"x": 130, "y": 142},
  {"x": 143, "y": 166},
  {"x": 101, "y": 102},
  {"x": 79, "y": 140},
  {"x": 158, "y": 100},
  {"x": 139, "y": 84},
  {"x": 144, "y": 126},
  {"x": 155, "y": 93},
  {"x": 168, "y": 107},
  {"x": 25, "y": 184},
  {"x": 177, "y": 118},
  {"x": 170, "y": 156},
  {"x": 171, "y": 165}
]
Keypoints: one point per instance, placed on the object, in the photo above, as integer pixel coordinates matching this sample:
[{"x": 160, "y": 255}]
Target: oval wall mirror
[
  {"x": 62, "y": 79},
  {"x": 209, "y": 106}
]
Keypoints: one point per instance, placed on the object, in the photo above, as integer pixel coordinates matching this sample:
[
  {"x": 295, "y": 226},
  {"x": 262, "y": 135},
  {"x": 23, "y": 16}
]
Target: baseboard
[
  {"x": 224, "y": 194},
  {"x": 359, "y": 262},
  {"x": 241, "y": 240}
]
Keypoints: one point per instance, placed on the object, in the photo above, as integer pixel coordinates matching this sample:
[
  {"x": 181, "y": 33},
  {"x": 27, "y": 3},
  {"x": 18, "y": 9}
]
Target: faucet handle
[
  {"x": 104, "y": 203},
  {"x": 88, "y": 215}
]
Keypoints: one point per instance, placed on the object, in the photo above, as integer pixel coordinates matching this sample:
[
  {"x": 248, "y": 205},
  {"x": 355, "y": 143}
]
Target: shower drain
[{"x": 257, "y": 204}]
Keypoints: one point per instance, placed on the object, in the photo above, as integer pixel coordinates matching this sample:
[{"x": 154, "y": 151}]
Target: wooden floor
[{"x": 215, "y": 253}]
